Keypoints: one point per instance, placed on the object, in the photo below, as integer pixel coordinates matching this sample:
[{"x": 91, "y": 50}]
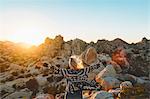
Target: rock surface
[
  {"x": 108, "y": 83},
  {"x": 102, "y": 95},
  {"x": 126, "y": 85},
  {"x": 27, "y": 72},
  {"x": 109, "y": 71}
]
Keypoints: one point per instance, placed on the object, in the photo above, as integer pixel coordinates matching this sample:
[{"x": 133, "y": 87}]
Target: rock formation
[{"x": 28, "y": 72}]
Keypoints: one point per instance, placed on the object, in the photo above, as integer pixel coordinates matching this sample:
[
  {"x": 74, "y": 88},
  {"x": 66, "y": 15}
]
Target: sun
[
  {"x": 27, "y": 37},
  {"x": 24, "y": 26}
]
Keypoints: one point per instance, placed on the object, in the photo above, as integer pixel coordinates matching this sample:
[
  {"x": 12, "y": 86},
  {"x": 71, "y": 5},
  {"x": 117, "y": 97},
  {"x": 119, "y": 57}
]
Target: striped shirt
[{"x": 78, "y": 79}]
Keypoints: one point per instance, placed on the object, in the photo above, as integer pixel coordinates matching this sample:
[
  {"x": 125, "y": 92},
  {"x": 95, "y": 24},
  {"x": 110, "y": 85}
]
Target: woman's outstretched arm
[
  {"x": 65, "y": 72},
  {"x": 60, "y": 71},
  {"x": 93, "y": 67}
]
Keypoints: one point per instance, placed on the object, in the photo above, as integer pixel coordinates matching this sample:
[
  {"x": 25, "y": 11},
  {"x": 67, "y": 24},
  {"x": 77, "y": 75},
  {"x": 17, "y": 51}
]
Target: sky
[{"x": 31, "y": 21}]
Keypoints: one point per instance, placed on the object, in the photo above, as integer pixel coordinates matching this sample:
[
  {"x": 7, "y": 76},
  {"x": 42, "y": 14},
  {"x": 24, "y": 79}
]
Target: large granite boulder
[
  {"x": 89, "y": 56},
  {"x": 108, "y": 71},
  {"x": 108, "y": 83}
]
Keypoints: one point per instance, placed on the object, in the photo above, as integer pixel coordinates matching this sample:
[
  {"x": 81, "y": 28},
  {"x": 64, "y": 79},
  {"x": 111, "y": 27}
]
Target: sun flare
[{"x": 28, "y": 38}]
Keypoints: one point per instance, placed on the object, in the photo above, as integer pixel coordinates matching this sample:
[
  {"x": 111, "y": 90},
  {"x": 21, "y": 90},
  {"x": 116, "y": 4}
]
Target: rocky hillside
[
  {"x": 22, "y": 71},
  {"x": 138, "y": 54}
]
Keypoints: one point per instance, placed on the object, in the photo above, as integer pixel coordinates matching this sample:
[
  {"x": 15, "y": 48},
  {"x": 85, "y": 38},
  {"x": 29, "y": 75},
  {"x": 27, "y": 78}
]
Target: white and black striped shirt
[{"x": 77, "y": 79}]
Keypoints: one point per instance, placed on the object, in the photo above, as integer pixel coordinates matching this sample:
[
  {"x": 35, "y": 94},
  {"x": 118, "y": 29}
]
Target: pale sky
[{"x": 30, "y": 21}]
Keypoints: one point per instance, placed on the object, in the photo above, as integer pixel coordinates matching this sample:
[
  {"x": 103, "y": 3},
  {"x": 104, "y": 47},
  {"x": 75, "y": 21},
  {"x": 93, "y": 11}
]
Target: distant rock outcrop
[
  {"x": 78, "y": 46},
  {"x": 51, "y": 47}
]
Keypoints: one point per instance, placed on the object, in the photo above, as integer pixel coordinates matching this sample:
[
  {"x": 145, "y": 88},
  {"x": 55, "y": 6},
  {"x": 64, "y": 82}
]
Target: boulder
[
  {"x": 55, "y": 79},
  {"x": 78, "y": 46},
  {"x": 60, "y": 62},
  {"x": 32, "y": 84},
  {"x": 108, "y": 71},
  {"x": 141, "y": 81},
  {"x": 66, "y": 50},
  {"x": 109, "y": 83},
  {"x": 15, "y": 67},
  {"x": 89, "y": 56},
  {"x": 6, "y": 76},
  {"x": 127, "y": 89},
  {"x": 104, "y": 57},
  {"x": 19, "y": 95},
  {"x": 139, "y": 58},
  {"x": 42, "y": 81},
  {"x": 115, "y": 92},
  {"x": 116, "y": 67},
  {"x": 44, "y": 96},
  {"x": 55, "y": 87},
  {"x": 92, "y": 75},
  {"x": 51, "y": 47},
  {"x": 127, "y": 77},
  {"x": 50, "y": 89},
  {"x": 5, "y": 89},
  {"x": 126, "y": 85},
  {"x": 44, "y": 58},
  {"x": 102, "y": 95},
  {"x": 33, "y": 70},
  {"x": 60, "y": 96},
  {"x": 120, "y": 57},
  {"x": 19, "y": 83}
]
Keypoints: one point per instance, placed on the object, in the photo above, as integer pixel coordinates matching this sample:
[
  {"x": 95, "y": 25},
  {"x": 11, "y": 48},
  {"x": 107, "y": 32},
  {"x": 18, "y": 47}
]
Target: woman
[{"x": 77, "y": 79}]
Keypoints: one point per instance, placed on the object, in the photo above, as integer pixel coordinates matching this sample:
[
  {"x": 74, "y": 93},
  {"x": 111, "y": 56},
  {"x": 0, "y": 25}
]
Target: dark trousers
[{"x": 74, "y": 95}]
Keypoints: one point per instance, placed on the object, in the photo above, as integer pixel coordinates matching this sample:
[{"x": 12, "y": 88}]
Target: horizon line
[{"x": 7, "y": 40}]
